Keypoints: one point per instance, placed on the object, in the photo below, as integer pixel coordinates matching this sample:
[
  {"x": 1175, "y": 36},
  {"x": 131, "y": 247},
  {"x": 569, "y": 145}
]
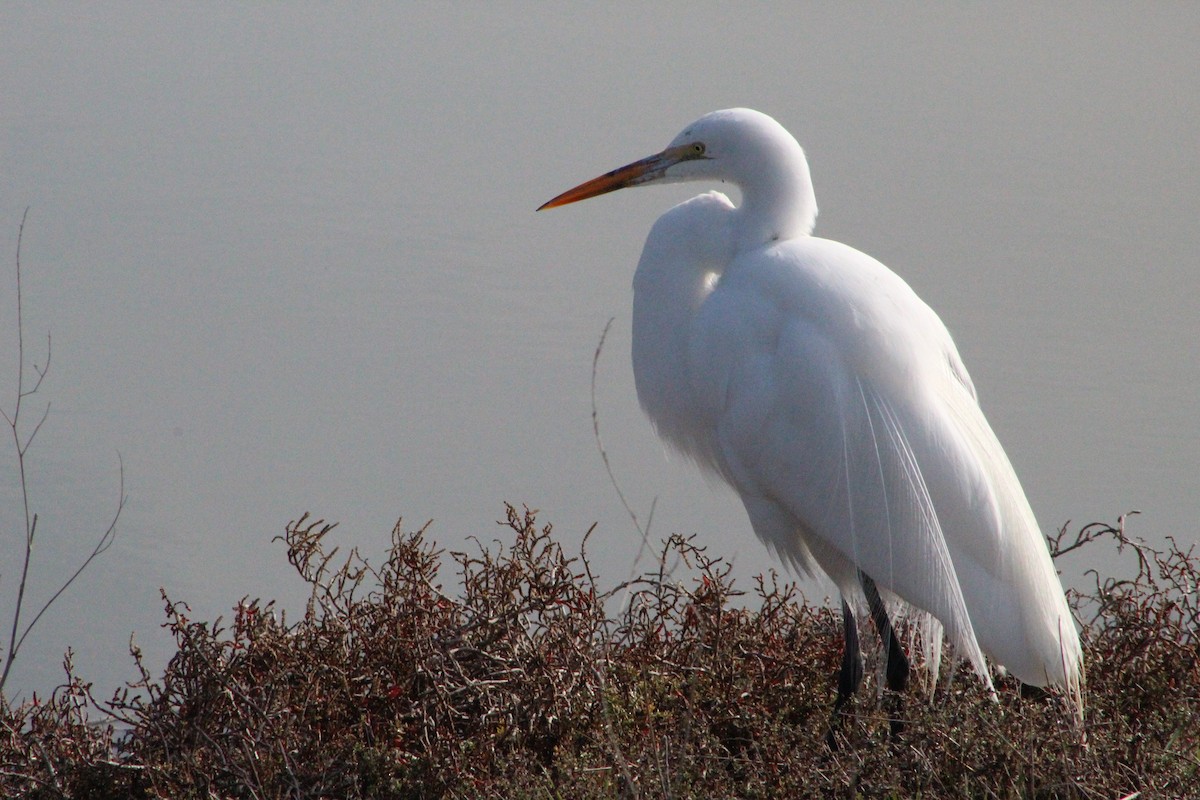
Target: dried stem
[
  {"x": 644, "y": 531},
  {"x": 21, "y": 444}
]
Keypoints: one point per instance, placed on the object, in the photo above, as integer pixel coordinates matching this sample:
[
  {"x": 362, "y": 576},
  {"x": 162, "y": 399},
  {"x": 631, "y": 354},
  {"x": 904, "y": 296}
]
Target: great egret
[{"x": 833, "y": 400}]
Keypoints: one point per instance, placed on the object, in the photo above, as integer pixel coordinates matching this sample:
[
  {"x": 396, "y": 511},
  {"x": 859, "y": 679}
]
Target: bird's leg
[
  {"x": 897, "y": 662},
  {"x": 851, "y": 675}
]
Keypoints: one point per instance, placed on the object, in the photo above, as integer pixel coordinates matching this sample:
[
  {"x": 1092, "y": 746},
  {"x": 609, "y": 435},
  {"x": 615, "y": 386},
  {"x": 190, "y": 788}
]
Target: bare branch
[
  {"x": 21, "y": 443},
  {"x": 644, "y": 531},
  {"x": 102, "y": 544}
]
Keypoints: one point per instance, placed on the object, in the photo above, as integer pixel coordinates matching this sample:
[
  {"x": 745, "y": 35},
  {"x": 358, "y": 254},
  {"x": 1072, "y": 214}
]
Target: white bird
[{"x": 814, "y": 381}]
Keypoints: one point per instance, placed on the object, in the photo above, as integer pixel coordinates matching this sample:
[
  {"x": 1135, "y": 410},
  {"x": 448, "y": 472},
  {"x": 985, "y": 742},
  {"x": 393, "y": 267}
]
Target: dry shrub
[
  {"x": 532, "y": 682},
  {"x": 50, "y": 749}
]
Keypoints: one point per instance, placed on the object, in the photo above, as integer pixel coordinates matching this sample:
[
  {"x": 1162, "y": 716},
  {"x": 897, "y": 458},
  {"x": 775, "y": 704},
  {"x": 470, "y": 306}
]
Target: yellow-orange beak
[{"x": 643, "y": 171}]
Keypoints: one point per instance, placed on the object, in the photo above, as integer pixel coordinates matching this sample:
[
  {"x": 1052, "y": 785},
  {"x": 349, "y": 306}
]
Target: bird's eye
[{"x": 698, "y": 149}]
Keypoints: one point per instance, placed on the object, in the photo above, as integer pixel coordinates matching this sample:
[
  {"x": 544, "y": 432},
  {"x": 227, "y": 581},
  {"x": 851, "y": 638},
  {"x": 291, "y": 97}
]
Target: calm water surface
[{"x": 289, "y": 260}]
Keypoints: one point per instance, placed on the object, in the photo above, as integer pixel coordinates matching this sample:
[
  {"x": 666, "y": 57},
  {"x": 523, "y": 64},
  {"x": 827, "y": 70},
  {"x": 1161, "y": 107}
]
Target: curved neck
[{"x": 778, "y": 202}]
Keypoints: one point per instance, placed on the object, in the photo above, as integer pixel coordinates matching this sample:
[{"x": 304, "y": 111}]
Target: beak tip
[{"x": 629, "y": 175}]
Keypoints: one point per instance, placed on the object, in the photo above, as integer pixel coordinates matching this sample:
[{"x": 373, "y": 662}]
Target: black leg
[
  {"x": 851, "y": 675},
  {"x": 852, "y": 670},
  {"x": 897, "y": 662}
]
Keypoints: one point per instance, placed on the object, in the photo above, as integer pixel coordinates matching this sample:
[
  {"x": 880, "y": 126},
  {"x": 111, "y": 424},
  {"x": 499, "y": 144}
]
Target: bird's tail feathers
[{"x": 917, "y": 565}]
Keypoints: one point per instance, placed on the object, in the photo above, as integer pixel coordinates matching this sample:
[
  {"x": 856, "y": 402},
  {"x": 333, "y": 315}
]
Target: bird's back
[{"x": 833, "y": 399}]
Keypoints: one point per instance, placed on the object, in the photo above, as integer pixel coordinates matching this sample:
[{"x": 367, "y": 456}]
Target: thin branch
[
  {"x": 30, "y": 519},
  {"x": 103, "y": 543},
  {"x": 29, "y": 439},
  {"x": 17, "y": 635},
  {"x": 645, "y": 532}
]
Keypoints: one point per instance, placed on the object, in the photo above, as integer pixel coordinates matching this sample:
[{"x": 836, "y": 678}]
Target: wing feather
[
  {"x": 833, "y": 400},
  {"x": 842, "y": 414}
]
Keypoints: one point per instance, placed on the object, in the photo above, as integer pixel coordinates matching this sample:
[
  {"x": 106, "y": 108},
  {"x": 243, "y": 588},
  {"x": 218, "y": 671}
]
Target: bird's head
[
  {"x": 744, "y": 147},
  {"x": 737, "y": 145}
]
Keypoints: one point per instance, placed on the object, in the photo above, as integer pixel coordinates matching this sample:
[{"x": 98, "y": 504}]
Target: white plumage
[{"x": 814, "y": 380}]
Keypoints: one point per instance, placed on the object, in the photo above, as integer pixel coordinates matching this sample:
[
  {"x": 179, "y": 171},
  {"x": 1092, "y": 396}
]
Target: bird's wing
[
  {"x": 815, "y": 363},
  {"x": 1024, "y": 621}
]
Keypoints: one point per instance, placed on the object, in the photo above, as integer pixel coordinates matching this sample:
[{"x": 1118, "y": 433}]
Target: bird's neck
[{"x": 777, "y": 204}]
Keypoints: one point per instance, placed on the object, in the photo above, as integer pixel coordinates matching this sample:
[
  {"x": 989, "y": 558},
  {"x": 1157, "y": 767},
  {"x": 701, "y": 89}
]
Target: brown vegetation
[{"x": 532, "y": 681}]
